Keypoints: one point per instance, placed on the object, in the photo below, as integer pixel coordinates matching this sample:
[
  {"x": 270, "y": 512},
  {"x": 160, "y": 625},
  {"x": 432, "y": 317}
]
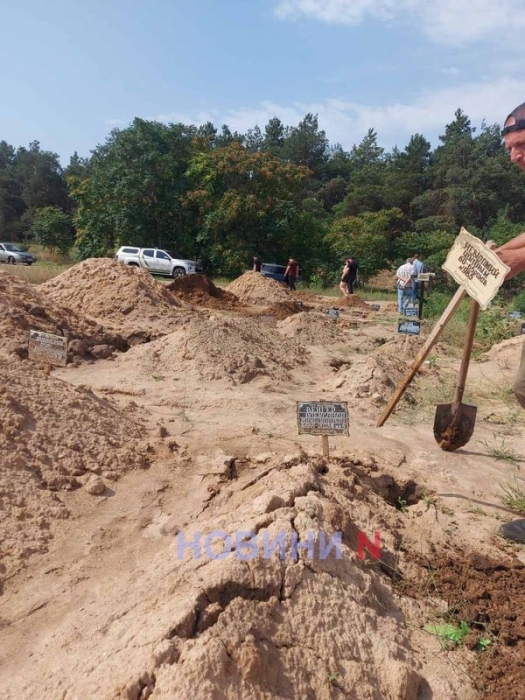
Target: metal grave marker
[
  {"x": 322, "y": 417},
  {"x": 411, "y": 312},
  {"x": 332, "y": 313},
  {"x": 409, "y": 327},
  {"x": 47, "y": 347}
]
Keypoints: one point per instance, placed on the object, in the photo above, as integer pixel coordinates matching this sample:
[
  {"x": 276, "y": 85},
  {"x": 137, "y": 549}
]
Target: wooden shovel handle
[
  {"x": 430, "y": 341},
  {"x": 467, "y": 350}
]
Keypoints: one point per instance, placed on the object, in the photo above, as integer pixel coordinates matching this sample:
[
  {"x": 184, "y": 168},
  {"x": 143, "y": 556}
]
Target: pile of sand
[
  {"x": 237, "y": 350},
  {"x": 115, "y": 292},
  {"x": 200, "y": 290},
  {"x": 54, "y": 437},
  {"x": 284, "y": 309},
  {"x": 254, "y": 288},
  {"x": 353, "y": 301},
  {"x": 25, "y": 307},
  {"x": 314, "y": 329}
]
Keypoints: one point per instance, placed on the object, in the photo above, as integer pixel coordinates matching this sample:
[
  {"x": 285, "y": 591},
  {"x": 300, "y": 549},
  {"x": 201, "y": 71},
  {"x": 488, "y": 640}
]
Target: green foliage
[
  {"x": 493, "y": 326},
  {"x": 519, "y": 302},
  {"x": 449, "y": 634},
  {"x": 52, "y": 229},
  {"x": 367, "y": 236}
]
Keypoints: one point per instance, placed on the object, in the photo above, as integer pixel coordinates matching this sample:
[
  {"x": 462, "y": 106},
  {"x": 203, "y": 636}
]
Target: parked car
[
  {"x": 12, "y": 254},
  {"x": 276, "y": 272},
  {"x": 158, "y": 261},
  {"x": 129, "y": 255}
]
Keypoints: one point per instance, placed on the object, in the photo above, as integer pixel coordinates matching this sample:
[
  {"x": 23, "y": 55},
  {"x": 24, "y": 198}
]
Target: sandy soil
[{"x": 164, "y": 526}]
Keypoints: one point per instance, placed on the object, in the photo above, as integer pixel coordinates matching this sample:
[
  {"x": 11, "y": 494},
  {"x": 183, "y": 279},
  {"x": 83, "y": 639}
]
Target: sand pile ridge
[
  {"x": 200, "y": 290},
  {"x": 53, "y": 438},
  {"x": 107, "y": 289},
  {"x": 235, "y": 349},
  {"x": 26, "y": 307},
  {"x": 254, "y": 288}
]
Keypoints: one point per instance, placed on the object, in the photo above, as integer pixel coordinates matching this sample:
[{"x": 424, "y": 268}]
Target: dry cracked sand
[{"x": 164, "y": 528}]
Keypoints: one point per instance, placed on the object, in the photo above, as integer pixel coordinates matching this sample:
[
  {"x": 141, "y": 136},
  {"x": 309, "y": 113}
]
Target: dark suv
[{"x": 276, "y": 272}]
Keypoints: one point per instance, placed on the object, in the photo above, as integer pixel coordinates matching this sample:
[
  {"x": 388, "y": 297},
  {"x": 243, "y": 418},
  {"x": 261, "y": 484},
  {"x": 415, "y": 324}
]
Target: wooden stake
[
  {"x": 326, "y": 448},
  {"x": 411, "y": 372}
]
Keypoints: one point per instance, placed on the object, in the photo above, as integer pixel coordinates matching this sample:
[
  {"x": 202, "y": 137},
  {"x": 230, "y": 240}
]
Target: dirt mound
[
  {"x": 487, "y": 595},
  {"x": 254, "y": 288},
  {"x": 53, "y": 437},
  {"x": 313, "y": 328},
  {"x": 109, "y": 290},
  {"x": 25, "y": 307},
  {"x": 353, "y": 301},
  {"x": 237, "y": 350},
  {"x": 200, "y": 290},
  {"x": 507, "y": 352},
  {"x": 284, "y": 309}
]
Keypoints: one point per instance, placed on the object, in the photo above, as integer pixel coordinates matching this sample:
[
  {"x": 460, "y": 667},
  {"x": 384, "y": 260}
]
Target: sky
[{"x": 72, "y": 71}]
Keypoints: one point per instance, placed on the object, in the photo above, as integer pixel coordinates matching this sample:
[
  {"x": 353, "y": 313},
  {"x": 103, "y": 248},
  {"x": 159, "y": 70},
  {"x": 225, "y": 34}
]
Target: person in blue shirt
[{"x": 416, "y": 286}]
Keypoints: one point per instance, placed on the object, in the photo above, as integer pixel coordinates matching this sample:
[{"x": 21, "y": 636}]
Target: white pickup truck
[{"x": 157, "y": 260}]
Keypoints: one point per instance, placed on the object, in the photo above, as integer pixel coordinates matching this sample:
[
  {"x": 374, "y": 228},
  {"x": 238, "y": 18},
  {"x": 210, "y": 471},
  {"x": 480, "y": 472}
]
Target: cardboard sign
[
  {"x": 475, "y": 267},
  {"x": 322, "y": 417},
  {"x": 409, "y": 327},
  {"x": 47, "y": 347}
]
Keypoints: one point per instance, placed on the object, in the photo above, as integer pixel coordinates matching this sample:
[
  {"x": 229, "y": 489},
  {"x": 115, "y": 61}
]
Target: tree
[
  {"x": 52, "y": 229},
  {"x": 368, "y": 237},
  {"x": 306, "y": 145},
  {"x": 134, "y": 191},
  {"x": 246, "y": 202}
]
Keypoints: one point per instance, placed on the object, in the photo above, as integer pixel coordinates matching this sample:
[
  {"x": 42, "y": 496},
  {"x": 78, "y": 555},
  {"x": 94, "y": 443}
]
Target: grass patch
[
  {"x": 502, "y": 452},
  {"x": 513, "y": 497}
]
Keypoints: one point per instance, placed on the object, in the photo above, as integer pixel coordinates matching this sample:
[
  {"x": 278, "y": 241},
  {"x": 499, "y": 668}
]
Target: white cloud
[
  {"x": 347, "y": 122},
  {"x": 444, "y": 21}
]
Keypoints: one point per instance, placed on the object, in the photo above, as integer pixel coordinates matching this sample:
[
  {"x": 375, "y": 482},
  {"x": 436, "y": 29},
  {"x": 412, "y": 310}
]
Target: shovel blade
[{"x": 454, "y": 425}]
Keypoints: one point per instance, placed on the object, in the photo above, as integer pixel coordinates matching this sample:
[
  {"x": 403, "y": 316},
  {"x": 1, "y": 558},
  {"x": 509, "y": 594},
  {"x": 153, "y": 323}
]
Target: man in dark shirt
[{"x": 290, "y": 274}]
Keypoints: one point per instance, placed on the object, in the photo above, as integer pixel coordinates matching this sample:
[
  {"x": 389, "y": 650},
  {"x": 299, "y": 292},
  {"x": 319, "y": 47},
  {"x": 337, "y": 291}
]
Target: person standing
[
  {"x": 256, "y": 264},
  {"x": 343, "y": 284},
  {"x": 416, "y": 286},
  {"x": 512, "y": 254},
  {"x": 404, "y": 276},
  {"x": 352, "y": 273},
  {"x": 290, "y": 274}
]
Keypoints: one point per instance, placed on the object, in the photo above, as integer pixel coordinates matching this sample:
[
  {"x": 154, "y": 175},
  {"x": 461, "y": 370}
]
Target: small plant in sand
[
  {"x": 448, "y": 633},
  {"x": 501, "y": 451},
  {"x": 513, "y": 496}
]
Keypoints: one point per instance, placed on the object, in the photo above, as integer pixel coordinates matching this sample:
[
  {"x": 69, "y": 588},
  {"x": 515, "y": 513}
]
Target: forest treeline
[{"x": 223, "y": 197}]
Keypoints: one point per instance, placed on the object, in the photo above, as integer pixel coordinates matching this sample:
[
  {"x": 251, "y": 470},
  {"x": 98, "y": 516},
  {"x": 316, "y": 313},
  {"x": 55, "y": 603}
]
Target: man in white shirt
[{"x": 404, "y": 277}]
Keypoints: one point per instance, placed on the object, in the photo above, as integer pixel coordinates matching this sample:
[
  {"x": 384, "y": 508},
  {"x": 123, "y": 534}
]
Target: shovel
[{"x": 454, "y": 422}]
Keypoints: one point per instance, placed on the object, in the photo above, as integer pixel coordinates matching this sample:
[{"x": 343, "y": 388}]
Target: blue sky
[{"x": 74, "y": 71}]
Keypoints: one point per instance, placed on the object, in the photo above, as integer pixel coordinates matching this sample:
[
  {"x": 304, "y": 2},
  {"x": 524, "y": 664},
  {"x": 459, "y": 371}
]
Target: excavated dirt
[
  {"x": 208, "y": 574},
  {"x": 26, "y": 307},
  {"x": 116, "y": 294},
  {"x": 254, "y": 288},
  {"x": 285, "y": 309},
  {"x": 489, "y": 595},
  {"x": 352, "y": 301},
  {"x": 53, "y": 438},
  {"x": 235, "y": 350},
  {"x": 200, "y": 290}
]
